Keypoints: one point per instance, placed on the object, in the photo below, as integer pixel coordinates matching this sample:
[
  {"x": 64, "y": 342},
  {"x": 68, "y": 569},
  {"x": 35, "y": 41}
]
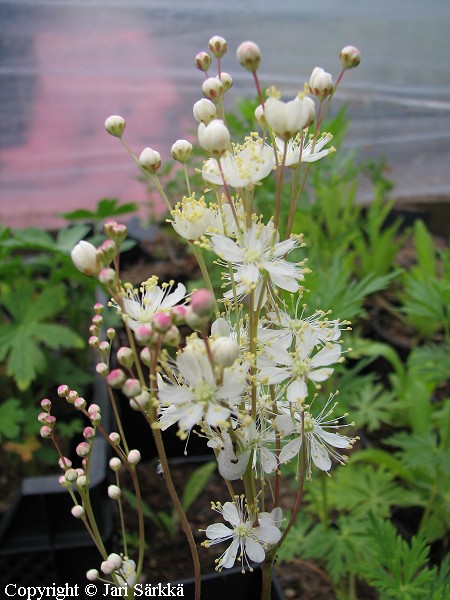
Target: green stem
[{"x": 266, "y": 571}]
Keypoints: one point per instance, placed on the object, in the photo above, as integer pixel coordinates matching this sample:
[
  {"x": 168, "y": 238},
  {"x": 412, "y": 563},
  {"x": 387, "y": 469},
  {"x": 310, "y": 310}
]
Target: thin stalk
[
  {"x": 201, "y": 263},
  {"x": 188, "y": 183},
  {"x": 266, "y": 571}
]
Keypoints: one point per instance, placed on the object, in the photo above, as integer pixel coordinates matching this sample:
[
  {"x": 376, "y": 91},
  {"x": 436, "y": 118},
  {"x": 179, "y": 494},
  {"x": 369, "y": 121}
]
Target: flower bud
[
  {"x": 144, "y": 334},
  {"x": 311, "y": 107},
  {"x": 350, "y": 57},
  {"x": 115, "y": 125},
  {"x": 146, "y": 356},
  {"x": 134, "y": 457},
  {"x": 286, "y": 118},
  {"x": 97, "y": 320},
  {"x": 202, "y": 61},
  {"x": 131, "y": 388},
  {"x": 42, "y": 418},
  {"x": 108, "y": 277},
  {"x": 102, "y": 369},
  {"x": 249, "y": 55},
  {"x": 82, "y": 481},
  {"x": 178, "y": 313},
  {"x": 98, "y": 308},
  {"x": 93, "y": 408},
  {"x": 114, "y": 492},
  {"x": 213, "y": 88},
  {"x": 125, "y": 357},
  {"x": 204, "y": 111},
  {"x": 115, "y": 560},
  {"x": 63, "y": 391},
  {"x": 217, "y": 46},
  {"x": 150, "y": 160},
  {"x": 71, "y": 475},
  {"x": 77, "y": 511},
  {"x": 116, "y": 378},
  {"x": 88, "y": 433},
  {"x": 110, "y": 333},
  {"x": 115, "y": 464},
  {"x": 161, "y": 322},
  {"x": 226, "y": 81},
  {"x": 260, "y": 117},
  {"x": 84, "y": 257},
  {"x": 181, "y": 150},
  {"x": 224, "y": 351},
  {"x": 202, "y": 302},
  {"x": 72, "y": 396},
  {"x": 104, "y": 347},
  {"x": 92, "y": 575},
  {"x": 107, "y": 251},
  {"x": 107, "y": 567},
  {"x": 115, "y": 231},
  {"x": 46, "y": 403},
  {"x": 214, "y": 138},
  {"x": 93, "y": 341},
  {"x": 94, "y": 330},
  {"x": 141, "y": 402},
  {"x": 195, "y": 321},
  {"x": 64, "y": 463},
  {"x": 83, "y": 449},
  {"x": 79, "y": 403},
  {"x": 46, "y": 431},
  {"x": 114, "y": 438},
  {"x": 321, "y": 83},
  {"x": 172, "y": 337}
]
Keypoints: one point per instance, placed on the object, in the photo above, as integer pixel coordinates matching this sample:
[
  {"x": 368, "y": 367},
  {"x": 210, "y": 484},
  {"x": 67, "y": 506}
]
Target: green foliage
[
  {"x": 11, "y": 418},
  {"x": 106, "y": 208},
  {"x": 196, "y": 484}
]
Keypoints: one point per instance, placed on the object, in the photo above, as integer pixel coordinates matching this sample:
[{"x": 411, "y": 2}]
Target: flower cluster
[{"x": 248, "y": 376}]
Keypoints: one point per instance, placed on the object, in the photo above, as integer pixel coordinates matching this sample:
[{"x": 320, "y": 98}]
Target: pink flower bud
[
  {"x": 217, "y": 46},
  {"x": 116, "y": 378},
  {"x": 84, "y": 257},
  {"x": 93, "y": 408},
  {"x": 107, "y": 277},
  {"x": 134, "y": 457},
  {"x": 72, "y": 396},
  {"x": 115, "y": 560},
  {"x": 212, "y": 88},
  {"x": 94, "y": 330},
  {"x": 107, "y": 251},
  {"x": 82, "y": 481},
  {"x": 214, "y": 138},
  {"x": 144, "y": 334},
  {"x": 150, "y": 160},
  {"x": 64, "y": 463},
  {"x": 115, "y": 125},
  {"x": 102, "y": 369},
  {"x": 46, "y": 403},
  {"x": 321, "y": 83},
  {"x": 93, "y": 341},
  {"x": 107, "y": 567},
  {"x": 95, "y": 417},
  {"x": 350, "y": 57},
  {"x": 178, "y": 314},
  {"x": 71, "y": 475},
  {"x": 249, "y": 55},
  {"x": 204, "y": 111},
  {"x": 78, "y": 511},
  {"x": 98, "y": 308},
  {"x": 83, "y": 449},
  {"x": 88, "y": 433},
  {"x": 202, "y": 302},
  {"x": 202, "y": 61},
  {"x": 114, "y": 438},
  {"x": 97, "y": 320},
  {"x": 161, "y": 322},
  {"x": 63, "y": 391},
  {"x": 146, "y": 357},
  {"x": 125, "y": 357},
  {"x": 42, "y": 418},
  {"x": 79, "y": 403},
  {"x": 131, "y": 388},
  {"x": 110, "y": 333},
  {"x": 104, "y": 347},
  {"x": 172, "y": 337},
  {"x": 46, "y": 431}
]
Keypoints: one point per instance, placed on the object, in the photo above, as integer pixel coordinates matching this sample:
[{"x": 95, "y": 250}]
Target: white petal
[
  {"x": 218, "y": 530},
  {"x": 291, "y": 450},
  {"x": 229, "y": 557},
  {"x": 226, "y": 248},
  {"x": 320, "y": 456},
  {"x": 254, "y": 550},
  {"x": 320, "y": 374},
  {"x": 268, "y": 460},
  {"x": 268, "y": 533},
  {"x": 297, "y": 390},
  {"x": 334, "y": 439},
  {"x": 326, "y": 356},
  {"x": 230, "y": 513}
]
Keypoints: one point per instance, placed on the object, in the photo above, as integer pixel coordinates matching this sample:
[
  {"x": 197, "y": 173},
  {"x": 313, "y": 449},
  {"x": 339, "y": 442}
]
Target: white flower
[
  {"x": 301, "y": 365},
  {"x": 198, "y": 396},
  {"x": 321, "y": 83},
  {"x": 139, "y": 309},
  {"x": 214, "y": 137},
  {"x": 192, "y": 218},
  {"x": 244, "y": 167},
  {"x": 85, "y": 258},
  {"x": 256, "y": 255},
  {"x": 320, "y": 441},
  {"x": 287, "y": 118},
  {"x": 250, "y": 537},
  {"x": 300, "y": 151}
]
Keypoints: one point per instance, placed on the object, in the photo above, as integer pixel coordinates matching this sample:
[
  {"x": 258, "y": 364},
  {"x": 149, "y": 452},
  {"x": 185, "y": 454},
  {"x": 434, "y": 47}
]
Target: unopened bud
[
  {"x": 202, "y": 302},
  {"x": 202, "y": 61},
  {"x": 226, "y": 81},
  {"x": 83, "y": 449},
  {"x": 78, "y": 511},
  {"x": 144, "y": 334},
  {"x": 82, "y": 481},
  {"x": 116, "y": 378},
  {"x": 213, "y": 88},
  {"x": 150, "y": 160},
  {"x": 93, "y": 408},
  {"x": 46, "y": 403},
  {"x": 63, "y": 391},
  {"x": 141, "y": 402},
  {"x": 217, "y": 46},
  {"x": 195, "y": 321},
  {"x": 115, "y": 464},
  {"x": 92, "y": 575},
  {"x": 104, "y": 347},
  {"x": 181, "y": 150},
  {"x": 114, "y": 492},
  {"x": 115, "y": 560},
  {"x": 46, "y": 431},
  {"x": 214, "y": 138},
  {"x": 88, "y": 433},
  {"x": 224, "y": 351},
  {"x": 72, "y": 396},
  {"x": 134, "y": 457},
  {"x": 146, "y": 356},
  {"x": 64, "y": 462},
  {"x": 110, "y": 333},
  {"x": 350, "y": 57},
  {"x": 260, "y": 117},
  {"x": 125, "y": 357},
  {"x": 161, "y": 322},
  {"x": 71, "y": 475},
  {"x": 114, "y": 438},
  {"x": 249, "y": 55},
  {"x": 93, "y": 341},
  {"x": 107, "y": 251},
  {"x": 108, "y": 277},
  {"x": 102, "y": 369},
  {"x": 84, "y": 257},
  {"x": 98, "y": 308},
  {"x": 131, "y": 388},
  {"x": 79, "y": 403},
  {"x": 115, "y": 125},
  {"x": 204, "y": 111},
  {"x": 321, "y": 83},
  {"x": 172, "y": 337}
]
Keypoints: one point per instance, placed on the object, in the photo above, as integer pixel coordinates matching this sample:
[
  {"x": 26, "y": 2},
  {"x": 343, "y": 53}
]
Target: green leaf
[
  {"x": 382, "y": 459},
  {"x": 371, "y": 405},
  {"x": 26, "y": 360},
  {"x": 11, "y": 418},
  {"x": 57, "y": 336},
  {"x": 425, "y": 249},
  {"x": 69, "y": 236},
  {"x": 196, "y": 484}
]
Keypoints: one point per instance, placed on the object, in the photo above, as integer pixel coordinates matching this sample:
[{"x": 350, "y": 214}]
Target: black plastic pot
[
  {"x": 231, "y": 584},
  {"x": 40, "y": 540}
]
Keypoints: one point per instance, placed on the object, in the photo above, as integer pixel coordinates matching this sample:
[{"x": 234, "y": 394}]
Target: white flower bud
[
  {"x": 77, "y": 511},
  {"x": 115, "y": 560},
  {"x": 181, "y": 150},
  {"x": 260, "y": 117},
  {"x": 114, "y": 493},
  {"x": 107, "y": 567},
  {"x": 204, "y": 111},
  {"x": 224, "y": 351},
  {"x": 131, "y": 388},
  {"x": 350, "y": 57},
  {"x": 142, "y": 401},
  {"x": 92, "y": 575},
  {"x": 84, "y": 257},
  {"x": 134, "y": 457},
  {"x": 150, "y": 160},
  {"x": 202, "y": 61},
  {"x": 249, "y": 55},
  {"x": 226, "y": 80},
  {"x": 214, "y": 138},
  {"x": 115, "y": 464},
  {"x": 71, "y": 475},
  {"x": 125, "y": 357},
  {"x": 213, "y": 88},
  {"x": 217, "y": 46},
  {"x": 321, "y": 83},
  {"x": 115, "y": 125},
  {"x": 114, "y": 438}
]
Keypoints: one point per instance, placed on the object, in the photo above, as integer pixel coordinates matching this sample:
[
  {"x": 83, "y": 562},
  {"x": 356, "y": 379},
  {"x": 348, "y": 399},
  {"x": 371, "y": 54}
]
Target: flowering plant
[{"x": 248, "y": 376}]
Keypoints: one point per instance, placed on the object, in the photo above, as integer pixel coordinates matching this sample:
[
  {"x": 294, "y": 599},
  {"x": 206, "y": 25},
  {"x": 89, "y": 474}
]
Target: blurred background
[{"x": 65, "y": 65}]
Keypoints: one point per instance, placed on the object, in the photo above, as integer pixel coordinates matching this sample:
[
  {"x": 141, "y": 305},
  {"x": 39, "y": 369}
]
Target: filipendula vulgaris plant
[{"x": 248, "y": 376}]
